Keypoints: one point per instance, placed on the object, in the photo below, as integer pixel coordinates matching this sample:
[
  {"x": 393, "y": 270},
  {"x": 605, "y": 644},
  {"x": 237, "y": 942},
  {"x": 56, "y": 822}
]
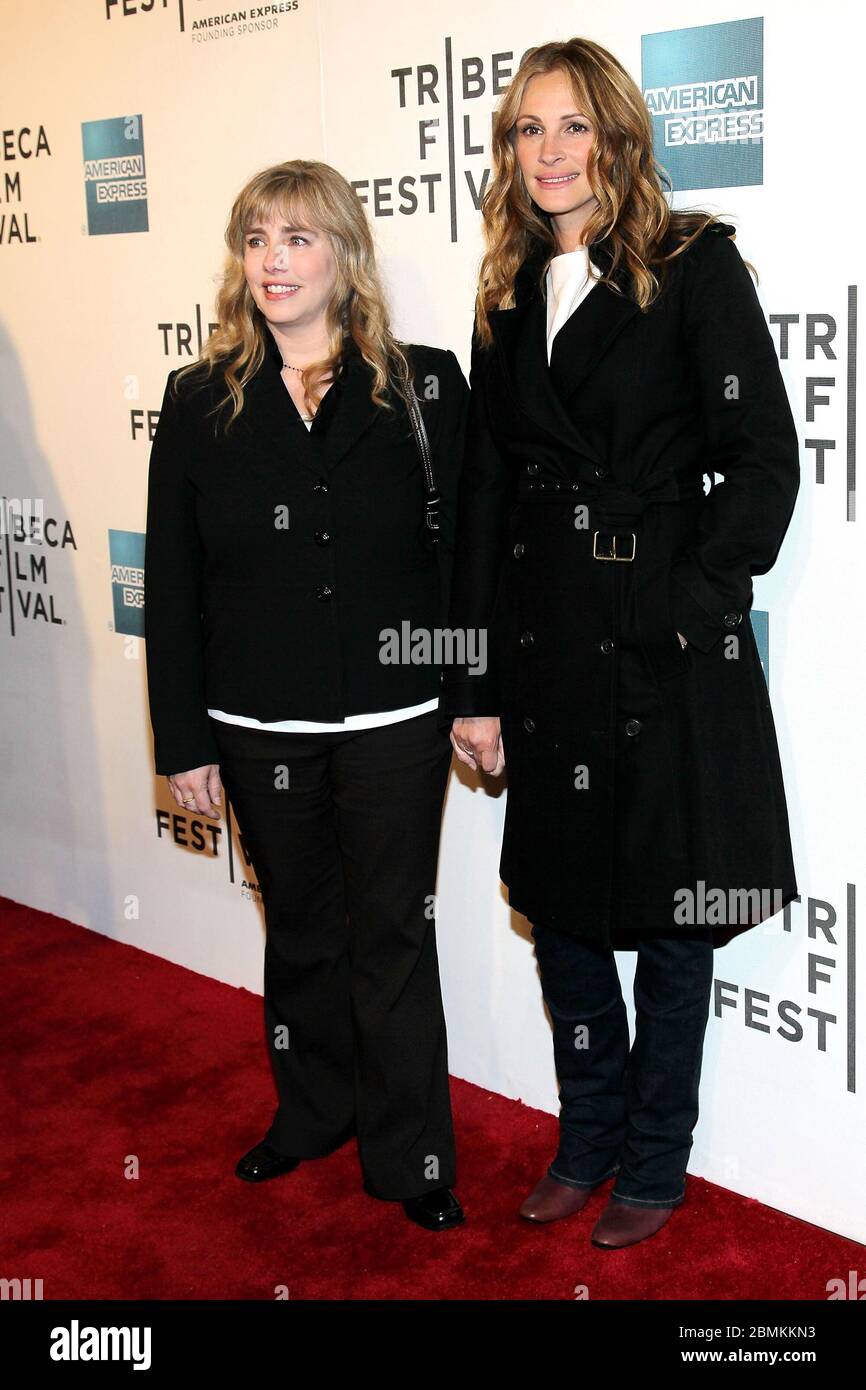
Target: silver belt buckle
[{"x": 613, "y": 539}]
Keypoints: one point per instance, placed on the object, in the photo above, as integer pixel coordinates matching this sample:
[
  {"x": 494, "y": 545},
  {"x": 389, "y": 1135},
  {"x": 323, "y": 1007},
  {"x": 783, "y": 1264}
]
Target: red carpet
[{"x": 111, "y": 1052}]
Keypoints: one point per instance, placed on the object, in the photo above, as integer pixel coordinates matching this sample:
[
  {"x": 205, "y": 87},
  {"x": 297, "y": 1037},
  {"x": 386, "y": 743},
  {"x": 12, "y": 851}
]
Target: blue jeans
[{"x": 627, "y": 1112}]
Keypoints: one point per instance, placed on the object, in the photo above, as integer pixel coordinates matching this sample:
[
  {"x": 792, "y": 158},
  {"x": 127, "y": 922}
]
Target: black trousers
[{"x": 343, "y": 832}]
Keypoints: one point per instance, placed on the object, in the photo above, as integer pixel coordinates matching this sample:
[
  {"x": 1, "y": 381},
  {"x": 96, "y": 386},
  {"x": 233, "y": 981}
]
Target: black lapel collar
[
  {"x": 270, "y": 414},
  {"x": 355, "y": 411},
  {"x": 520, "y": 333},
  {"x": 591, "y": 330}
]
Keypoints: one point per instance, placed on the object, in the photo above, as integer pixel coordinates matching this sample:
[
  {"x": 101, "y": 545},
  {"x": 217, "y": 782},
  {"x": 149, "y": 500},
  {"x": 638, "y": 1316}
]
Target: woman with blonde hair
[
  {"x": 620, "y": 353},
  {"x": 293, "y": 527}
]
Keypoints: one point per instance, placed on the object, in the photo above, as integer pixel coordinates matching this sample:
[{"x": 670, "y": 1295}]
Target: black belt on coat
[
  {"x": 617, "y": 508},
  {"x": 618, "y": 504}
]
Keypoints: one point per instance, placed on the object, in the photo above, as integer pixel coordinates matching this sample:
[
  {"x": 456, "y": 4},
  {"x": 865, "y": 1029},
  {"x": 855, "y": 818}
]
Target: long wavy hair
[
  {"x": 640, "y": 231},
  {"x": 303, "y": 192}
]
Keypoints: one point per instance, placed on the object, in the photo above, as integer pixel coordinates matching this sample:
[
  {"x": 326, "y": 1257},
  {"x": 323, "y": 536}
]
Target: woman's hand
[
  {"x": 198, "y": 790},
  {"x": 478, "y": 740}
]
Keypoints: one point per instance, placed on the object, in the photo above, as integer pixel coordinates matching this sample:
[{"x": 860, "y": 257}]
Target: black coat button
[
  {"x": 529, "y": 725},
  {"x": 518, "y": 550},
  {"x": 320, "y": 485},
  {"x": 324, "y": 593},
  {"x": 607, "y": 645},
  {"x": 526, "y": 639},
  {"x": 633, "y": 726},
  {"x": 323, "y": 538},
  {"x": 601, "y": 472},
  {"x": 532, "y": 469},
  {"x": 732, "y": 619}
]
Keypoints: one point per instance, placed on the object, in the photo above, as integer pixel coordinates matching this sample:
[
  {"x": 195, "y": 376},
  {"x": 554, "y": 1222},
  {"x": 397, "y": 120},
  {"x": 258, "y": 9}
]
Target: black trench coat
[{"x": 639, "y": 772}]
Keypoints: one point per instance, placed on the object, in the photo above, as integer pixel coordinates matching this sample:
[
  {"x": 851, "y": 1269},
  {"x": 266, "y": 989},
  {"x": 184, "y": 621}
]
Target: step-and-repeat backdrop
[{"x": 108, "y": 276}]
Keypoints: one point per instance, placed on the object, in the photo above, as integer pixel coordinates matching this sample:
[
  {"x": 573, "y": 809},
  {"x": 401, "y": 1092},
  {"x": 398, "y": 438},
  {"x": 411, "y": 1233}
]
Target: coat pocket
[{"x": 657, "y": 628}]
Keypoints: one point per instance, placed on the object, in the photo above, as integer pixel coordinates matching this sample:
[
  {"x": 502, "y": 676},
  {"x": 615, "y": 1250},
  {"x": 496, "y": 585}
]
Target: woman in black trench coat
[
  {"x": 624, "y": 691},
  {"x": 288, "y": 541}
]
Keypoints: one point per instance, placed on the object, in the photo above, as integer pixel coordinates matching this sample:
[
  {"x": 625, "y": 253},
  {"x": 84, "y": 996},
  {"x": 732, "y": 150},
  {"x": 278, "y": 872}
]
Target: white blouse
[
  {"x": 352, "y": 721},
  {"x": 570, "y": 277}
]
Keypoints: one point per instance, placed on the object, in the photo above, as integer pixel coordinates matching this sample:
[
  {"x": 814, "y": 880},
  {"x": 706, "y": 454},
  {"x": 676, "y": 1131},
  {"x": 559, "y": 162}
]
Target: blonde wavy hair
[
  {"x": 303, "y": 192},
  {"x": 632, "y": 214}
]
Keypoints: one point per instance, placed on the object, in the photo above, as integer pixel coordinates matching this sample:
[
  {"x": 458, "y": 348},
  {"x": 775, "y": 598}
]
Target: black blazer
[{"x": 275, "y": 556}]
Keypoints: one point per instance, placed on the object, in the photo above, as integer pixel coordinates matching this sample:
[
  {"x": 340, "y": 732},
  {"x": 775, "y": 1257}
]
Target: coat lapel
[
  {"x": 587, "y": 335},
  {"x": 270, "y": 414},
  {"x": 544, "y": 392},
  {"x": 355, "y": 411}
]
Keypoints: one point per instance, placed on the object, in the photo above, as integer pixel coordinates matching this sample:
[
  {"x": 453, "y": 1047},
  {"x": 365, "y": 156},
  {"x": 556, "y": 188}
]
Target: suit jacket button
[
  {"x": 732, "y": 619},
  {"x": 526, "y": 639},
  {"x": 320, "y": 485},
  {"x": 323, "y": 538},
  {"x": 607, "y": 645},
  {"x": 529, "y": 725},
  {"x": 601, "y": 472},
  {"x": 532, "y": 469},
  {"x": 633, "y": 726},
  {"x": 324, "y": 593},
  {"x": 518, "y": 550}
]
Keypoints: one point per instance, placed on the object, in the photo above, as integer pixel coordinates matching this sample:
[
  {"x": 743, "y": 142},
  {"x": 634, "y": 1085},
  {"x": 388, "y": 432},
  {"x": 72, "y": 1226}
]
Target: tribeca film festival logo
[
  {"x": 449, "y": 143},
  {"x": 17, "y": 145},
  {"x": 177, "y": 338},
  {"x": 704, "y": 91},
  {"x": 27, "y": 537},
  {"x": 115, "y": 179},
  {"x": 206, "y": 20},
  {"x": 825, "y": 1019},
  {"x": 190, "y": 831},
  {"x": 812, "y": 337}
]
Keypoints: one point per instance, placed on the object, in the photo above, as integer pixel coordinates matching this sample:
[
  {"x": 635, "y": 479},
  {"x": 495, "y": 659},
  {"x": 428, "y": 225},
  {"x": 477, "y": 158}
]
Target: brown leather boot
[
  {"x": 551, "y": 1200},
  {"x": 622, "y": 1224}
]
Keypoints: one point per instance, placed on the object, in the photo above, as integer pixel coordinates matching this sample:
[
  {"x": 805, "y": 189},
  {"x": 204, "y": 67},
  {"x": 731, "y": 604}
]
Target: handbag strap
[{"x": 423, "y": 443}]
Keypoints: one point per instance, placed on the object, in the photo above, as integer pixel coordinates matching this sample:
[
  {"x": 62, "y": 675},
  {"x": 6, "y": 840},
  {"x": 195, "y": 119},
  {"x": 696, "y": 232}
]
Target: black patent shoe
[
  {"x": 263, "y": 1162},
  {"x": 435, "y": 1211}
]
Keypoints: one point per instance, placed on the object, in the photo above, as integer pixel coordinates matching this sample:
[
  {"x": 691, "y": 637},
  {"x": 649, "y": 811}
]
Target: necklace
[{"x": 290, "y": 368}]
